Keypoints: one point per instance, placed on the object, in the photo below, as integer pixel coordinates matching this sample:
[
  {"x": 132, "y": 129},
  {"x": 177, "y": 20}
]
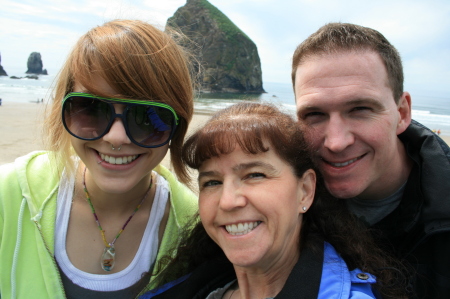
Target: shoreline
[{"x": 21, "y": 129}]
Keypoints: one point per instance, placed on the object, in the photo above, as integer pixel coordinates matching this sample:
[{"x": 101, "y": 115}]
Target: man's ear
[
  {"x": 307, "y": 190},
  {"x": 404, "y": 110}
]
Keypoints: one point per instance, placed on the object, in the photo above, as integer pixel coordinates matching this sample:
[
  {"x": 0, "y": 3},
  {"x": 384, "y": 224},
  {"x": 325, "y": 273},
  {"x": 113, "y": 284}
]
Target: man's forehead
[
  {"x": 336, "y": 53},
  {"x": 351, "y": 76}
]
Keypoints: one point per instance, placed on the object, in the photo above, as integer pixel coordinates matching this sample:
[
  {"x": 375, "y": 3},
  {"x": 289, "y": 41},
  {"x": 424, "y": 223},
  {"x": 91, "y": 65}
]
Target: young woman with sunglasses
[{"x": 91, "y": 217}]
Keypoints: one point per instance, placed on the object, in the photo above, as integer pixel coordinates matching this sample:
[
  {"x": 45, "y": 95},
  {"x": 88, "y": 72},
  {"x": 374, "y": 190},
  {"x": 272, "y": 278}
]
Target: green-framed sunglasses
[{"x": 147, "y": 124}]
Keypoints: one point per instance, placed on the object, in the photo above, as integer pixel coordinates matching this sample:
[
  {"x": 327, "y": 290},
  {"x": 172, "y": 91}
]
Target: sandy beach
[{"x": 21, "y": 129}]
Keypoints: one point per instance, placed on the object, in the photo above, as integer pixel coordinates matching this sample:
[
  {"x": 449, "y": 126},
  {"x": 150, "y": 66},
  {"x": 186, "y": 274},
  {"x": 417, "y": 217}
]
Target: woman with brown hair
[
  {"x": 90, "y": 217},
  {"x": 267, "y": 228}
]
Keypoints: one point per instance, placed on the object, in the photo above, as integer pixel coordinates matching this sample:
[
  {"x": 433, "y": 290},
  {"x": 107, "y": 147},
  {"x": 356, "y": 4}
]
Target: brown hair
[
  {"x": 334, "y": 38},
  {"x": 138, "y": 61},
  {"x": 248, "y": 125}
]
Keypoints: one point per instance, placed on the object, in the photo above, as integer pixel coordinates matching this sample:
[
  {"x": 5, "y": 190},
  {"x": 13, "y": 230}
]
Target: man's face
[{"x": 350, "y": 117}]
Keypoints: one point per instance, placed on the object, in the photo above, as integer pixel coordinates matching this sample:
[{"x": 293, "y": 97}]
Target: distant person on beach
[
  {"x": 391, "y": 171},
  {"x": 92, "y": 217},
  {"x": 264, "y": 229}
]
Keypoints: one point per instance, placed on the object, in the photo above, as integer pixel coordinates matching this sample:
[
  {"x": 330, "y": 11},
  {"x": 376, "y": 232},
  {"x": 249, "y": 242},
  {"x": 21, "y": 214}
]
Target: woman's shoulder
[
  {"x": 32, "y": 174},
  {"x": 35, "y": 169},
  {"x": 31, "y": 164},
  {"x": 180, "y": 194},
  {"x": 337, "y": 276},
  {"x": 32, "y": 158}
]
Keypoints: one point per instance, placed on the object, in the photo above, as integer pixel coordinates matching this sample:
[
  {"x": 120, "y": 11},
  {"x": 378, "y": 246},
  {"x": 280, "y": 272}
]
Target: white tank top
[{"x": 143, "y": 260}]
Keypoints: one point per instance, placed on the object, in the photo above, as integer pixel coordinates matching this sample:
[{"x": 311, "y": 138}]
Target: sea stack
[
  {"x": 2, "y": 71},
  {"x": 227, "y": 58},
  {"x": 34, "y": 64}
]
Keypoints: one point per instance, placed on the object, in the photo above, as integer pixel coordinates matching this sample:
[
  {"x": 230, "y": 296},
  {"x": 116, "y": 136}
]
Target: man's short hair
[{"x": 335, "y": 38}]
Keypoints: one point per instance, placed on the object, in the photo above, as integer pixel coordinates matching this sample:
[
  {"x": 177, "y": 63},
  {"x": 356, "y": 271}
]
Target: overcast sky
[{"x": 419, "y": 29}]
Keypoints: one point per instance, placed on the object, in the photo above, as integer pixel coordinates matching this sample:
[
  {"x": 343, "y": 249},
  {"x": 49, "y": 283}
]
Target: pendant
[{"x": 108, "y": 258}]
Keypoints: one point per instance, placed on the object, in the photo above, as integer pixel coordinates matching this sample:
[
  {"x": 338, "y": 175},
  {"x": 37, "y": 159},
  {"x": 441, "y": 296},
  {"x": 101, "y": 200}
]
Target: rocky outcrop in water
[
  {"x": 34, "y": 64},
  {"x": 2, "y": 71},
  {"x": 28, "y": 77},
  {"x": 228, "y": 59}
]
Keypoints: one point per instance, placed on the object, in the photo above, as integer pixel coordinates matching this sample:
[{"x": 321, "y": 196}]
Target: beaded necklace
[{"x": 108, "y": 259}]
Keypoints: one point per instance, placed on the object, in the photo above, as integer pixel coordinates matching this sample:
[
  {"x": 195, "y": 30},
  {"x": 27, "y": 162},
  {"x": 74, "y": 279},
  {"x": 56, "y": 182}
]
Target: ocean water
[
  {"x": 433, "y": 112},
  {"x": 24, "y": 90}
]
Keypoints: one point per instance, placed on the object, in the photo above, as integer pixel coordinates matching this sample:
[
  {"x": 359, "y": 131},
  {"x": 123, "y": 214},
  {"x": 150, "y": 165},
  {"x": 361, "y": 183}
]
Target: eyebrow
[
  {"x": 244, "y": 166},
  {"x": 206, "y": 174},
  {"x": 239, "y": 167},
  {"x": 366, "y": 101},
  {"x": 356, "y": 102}
]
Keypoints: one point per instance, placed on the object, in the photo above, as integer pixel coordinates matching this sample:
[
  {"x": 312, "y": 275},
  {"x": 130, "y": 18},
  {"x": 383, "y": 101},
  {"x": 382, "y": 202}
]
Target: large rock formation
[
  {"x": 34, "y": 64},
  {"x": 227, "y": 57},
  {"x": 2, "y": 71}
]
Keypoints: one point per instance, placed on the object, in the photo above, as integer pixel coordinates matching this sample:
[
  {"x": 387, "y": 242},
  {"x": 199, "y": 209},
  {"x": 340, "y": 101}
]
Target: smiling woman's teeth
[
  {"x": 241, "y": 228},
  {"x": 118, "y": 160}
]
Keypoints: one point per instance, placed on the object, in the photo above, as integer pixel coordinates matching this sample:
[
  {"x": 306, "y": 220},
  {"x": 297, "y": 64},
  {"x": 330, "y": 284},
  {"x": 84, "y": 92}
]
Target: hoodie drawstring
[{"x": 17, "y": 249}]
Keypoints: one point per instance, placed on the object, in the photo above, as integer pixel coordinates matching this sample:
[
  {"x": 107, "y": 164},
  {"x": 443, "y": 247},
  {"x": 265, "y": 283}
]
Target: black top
[
  {"x": 303, "y": 281},
  {"x": 74, "y": 291}
]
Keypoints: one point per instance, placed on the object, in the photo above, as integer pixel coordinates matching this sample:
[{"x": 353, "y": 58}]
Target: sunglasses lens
[
  {"x": 150, "y": 125},
  {"x": 86, "y": 118}
]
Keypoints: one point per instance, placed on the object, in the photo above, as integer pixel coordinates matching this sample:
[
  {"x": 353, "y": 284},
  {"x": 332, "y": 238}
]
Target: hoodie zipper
[{"x": 52, "y": 257}]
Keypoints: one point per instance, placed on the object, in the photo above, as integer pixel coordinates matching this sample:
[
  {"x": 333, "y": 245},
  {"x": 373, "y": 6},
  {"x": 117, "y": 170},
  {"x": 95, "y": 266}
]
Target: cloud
[
  {"x": 419, "y": 29},
  {"x": 52, "y": 27}
]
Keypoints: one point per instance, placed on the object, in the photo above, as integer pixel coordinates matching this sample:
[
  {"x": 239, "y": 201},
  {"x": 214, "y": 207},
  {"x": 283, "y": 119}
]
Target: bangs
[
  {"x": 93, "y": 61},
  {"x": 221, "y": 136}
]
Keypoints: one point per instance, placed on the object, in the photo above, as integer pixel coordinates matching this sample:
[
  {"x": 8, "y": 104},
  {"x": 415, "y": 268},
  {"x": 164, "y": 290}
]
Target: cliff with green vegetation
[{"x": 227, "y": 58}]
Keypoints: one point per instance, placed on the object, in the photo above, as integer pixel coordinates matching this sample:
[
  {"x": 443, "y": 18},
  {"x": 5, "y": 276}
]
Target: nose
[
  {"x": 117, "y": 136},
  {"x": 232, "y": 197},
  {"x": 338, "y": 134}
]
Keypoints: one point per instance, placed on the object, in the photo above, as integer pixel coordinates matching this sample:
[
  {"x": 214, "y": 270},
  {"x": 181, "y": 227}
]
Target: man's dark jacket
[{"x": 419, "y": 229}]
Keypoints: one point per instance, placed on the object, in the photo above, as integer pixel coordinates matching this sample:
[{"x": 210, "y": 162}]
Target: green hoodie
[{"x": 28, "y": 191}]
